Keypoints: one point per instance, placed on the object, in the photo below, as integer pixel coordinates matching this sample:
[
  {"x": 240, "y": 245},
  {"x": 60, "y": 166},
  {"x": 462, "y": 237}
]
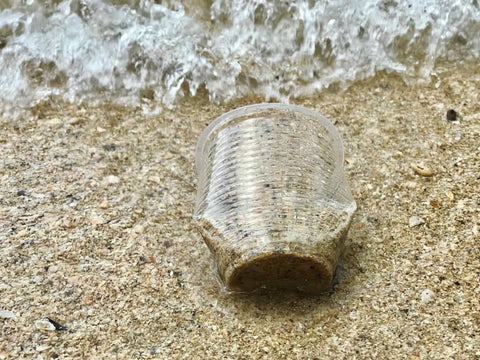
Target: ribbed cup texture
[{"x": 273, "y": 205}]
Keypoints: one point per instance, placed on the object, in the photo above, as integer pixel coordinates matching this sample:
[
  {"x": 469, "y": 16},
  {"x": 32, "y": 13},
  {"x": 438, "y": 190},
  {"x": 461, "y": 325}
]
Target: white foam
[{"x": 120, "y": 50}]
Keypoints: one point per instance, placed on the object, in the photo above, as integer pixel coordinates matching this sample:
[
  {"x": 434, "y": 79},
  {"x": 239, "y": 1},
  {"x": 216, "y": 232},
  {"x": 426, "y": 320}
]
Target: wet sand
[{"x": 96, "y": 234}]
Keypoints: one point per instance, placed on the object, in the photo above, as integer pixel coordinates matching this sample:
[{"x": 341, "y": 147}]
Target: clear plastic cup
[{"x": 273, "y": 204}]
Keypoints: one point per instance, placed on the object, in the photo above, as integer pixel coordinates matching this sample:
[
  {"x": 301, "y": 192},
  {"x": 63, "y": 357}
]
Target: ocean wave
[{"x": 144, "y": 52}]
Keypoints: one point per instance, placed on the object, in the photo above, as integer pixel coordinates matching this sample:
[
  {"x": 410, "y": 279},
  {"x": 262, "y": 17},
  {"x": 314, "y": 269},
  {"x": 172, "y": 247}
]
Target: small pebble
[
  {"x": 103, "y": 205},
  {"x": 109, "y": 147},
  {"x": 411, "y": 184},
  {"x": 21, "y": 193},
  {"x": 451, "y": 115},
  {"x": 54, "y": 122},
  {"x": 426, "y": 296},
  {"x": 155, "y": 179},
  {"x": 74, "y": 121},
  {"x": 415, "y": 221},
  {"x": 97, "y": 220},
  {"x": 476, "y": 232},
  {"x": 6, "y": 314},
  {"x": 138, "y": 229},
  {"x": 21, "y": 233},
  {"x": 42, "y": 348},
  {"x": 4, "y": 286},
  {"x": 111, "y": 180},
  {"x": 421, "y": 170}
]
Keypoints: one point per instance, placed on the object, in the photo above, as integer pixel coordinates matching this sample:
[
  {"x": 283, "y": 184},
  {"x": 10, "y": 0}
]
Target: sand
[{"x": 96, "y": 234}]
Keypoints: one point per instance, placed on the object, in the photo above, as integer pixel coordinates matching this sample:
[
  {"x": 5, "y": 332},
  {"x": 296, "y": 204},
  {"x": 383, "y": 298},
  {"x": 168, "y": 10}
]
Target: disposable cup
[{"x": 273, "y": 204}]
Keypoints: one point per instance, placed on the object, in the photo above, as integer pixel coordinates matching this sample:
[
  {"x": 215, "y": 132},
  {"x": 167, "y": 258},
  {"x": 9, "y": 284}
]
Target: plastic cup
[{"x": 273, "y": 204}]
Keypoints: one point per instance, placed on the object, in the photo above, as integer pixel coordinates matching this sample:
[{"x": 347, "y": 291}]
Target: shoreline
[{"x": 96, "y": 208}]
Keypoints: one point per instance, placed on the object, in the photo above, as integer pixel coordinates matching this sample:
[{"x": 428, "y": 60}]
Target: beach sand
[{"x": 96, "y": 234}]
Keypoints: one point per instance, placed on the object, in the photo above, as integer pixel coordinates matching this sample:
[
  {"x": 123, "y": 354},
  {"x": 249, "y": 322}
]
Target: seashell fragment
[
  {"x": 273, "y": 204},
  {"x": 44, "y": 325},
  {"x": 47, "y": 324},
  {"x": 415, "y": 221},
  {"x": 421, "y": 170}
]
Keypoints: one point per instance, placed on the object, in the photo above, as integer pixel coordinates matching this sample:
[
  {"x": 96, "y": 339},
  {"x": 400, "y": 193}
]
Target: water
[{"x": 144, "y": 52}]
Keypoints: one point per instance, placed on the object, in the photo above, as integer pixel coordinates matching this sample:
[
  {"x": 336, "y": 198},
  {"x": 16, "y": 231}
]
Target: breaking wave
[{"x": 145, "y": 52}]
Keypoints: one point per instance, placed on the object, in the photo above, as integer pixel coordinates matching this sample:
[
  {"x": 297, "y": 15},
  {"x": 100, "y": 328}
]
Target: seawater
[{"x": 145, "y": 52}]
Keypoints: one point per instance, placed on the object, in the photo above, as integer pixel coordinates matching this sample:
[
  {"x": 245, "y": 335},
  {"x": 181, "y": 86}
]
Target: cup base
[
  {"x": 311, "y": 274},
  {"x": 307, "y": 266}
]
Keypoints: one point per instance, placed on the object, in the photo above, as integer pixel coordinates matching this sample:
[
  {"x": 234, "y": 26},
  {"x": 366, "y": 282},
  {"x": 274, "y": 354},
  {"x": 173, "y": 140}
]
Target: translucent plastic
[{"x": 273, "y": 204}]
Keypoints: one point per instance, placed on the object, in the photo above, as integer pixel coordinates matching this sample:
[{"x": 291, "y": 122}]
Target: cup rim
[{"x": 252, "y": 109}]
